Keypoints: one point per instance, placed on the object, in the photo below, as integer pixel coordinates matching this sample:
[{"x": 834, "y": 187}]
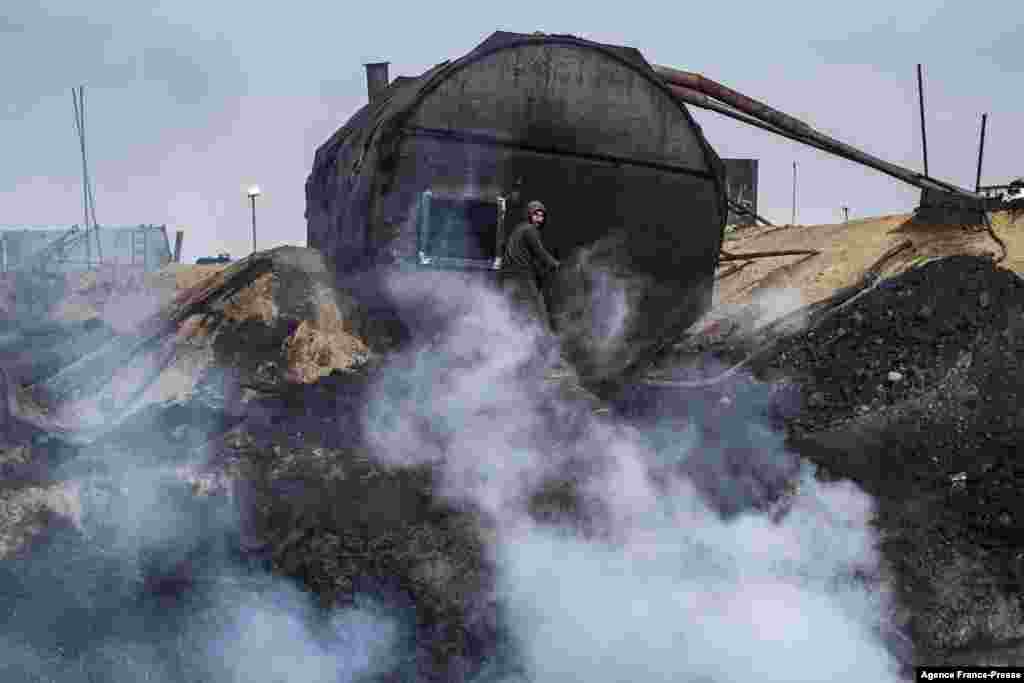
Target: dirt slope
[{"x": 848, "y": 250}]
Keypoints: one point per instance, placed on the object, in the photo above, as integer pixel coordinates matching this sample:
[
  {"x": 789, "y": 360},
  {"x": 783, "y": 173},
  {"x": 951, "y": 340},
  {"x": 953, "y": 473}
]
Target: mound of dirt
[
  {"x": 180, "y": 276},
  {"x": 847, "y": 250},
  {"x": 260, "y": 324}
]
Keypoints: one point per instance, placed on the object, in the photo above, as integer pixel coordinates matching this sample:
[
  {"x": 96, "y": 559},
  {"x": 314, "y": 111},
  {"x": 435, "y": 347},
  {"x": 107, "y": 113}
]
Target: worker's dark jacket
[{"x": 525, "y": 264}]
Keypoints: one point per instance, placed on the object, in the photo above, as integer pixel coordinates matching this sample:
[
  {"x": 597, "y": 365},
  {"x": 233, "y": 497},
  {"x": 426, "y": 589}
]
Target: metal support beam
[
  {"x": 981, "y": 152},
  {"x": 924, "y": 134}
]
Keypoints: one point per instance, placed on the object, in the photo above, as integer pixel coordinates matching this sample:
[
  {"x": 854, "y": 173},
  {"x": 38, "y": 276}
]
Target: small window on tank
[{"x": 460, "y": 231}]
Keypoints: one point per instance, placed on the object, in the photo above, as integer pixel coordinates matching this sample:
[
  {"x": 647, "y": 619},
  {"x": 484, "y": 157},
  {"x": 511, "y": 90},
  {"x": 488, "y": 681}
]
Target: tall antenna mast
[{"x": 88, "y": 200}]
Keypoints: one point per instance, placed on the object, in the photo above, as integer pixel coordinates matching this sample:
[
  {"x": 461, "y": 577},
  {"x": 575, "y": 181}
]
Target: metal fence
[{"x": 23, "y": 247}]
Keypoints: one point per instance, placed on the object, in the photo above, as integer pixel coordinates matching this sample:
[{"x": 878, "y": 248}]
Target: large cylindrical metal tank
[{"x": 633, "y": 189}]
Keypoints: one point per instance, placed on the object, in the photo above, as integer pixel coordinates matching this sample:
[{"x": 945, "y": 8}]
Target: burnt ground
[{"x": 911, "y": 390}]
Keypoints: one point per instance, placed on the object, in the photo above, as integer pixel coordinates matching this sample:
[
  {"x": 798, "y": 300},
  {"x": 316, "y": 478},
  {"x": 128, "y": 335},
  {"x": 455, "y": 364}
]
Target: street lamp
[{"x": 253, "y": 193}]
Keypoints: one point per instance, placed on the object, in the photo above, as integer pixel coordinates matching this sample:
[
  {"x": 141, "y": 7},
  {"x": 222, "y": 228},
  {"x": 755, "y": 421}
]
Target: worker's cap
[{"x": 535, "y": 206}]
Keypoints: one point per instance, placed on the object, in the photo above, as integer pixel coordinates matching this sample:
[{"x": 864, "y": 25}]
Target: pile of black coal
[
  {"x": 899, "y": 339},
  {"x": 913, "y": 392}
]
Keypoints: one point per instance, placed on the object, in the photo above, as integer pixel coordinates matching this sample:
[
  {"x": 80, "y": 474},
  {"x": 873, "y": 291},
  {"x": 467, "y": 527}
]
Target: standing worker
[{"x": 525, "y": 264}]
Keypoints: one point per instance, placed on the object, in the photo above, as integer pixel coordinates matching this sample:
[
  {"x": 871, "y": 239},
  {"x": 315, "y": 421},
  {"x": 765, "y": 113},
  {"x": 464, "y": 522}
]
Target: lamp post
[{"x": 253, "y": 193}]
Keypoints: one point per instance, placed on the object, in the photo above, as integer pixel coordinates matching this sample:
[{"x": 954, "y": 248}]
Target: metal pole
[
  {"x": 793, "y": 221},
  {"x": 253, "y": 198},
  {"x": 981, "y": 152},
  {"x": 924, "y": 135},
  {"x": 79, "y": 105},
  {"x": 92, "y": 198},
  {"x": 89, "y": 201}
]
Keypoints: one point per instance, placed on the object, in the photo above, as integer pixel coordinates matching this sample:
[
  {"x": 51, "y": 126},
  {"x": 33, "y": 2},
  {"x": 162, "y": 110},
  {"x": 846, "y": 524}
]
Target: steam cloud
[
  {"x": 141, "y": 583},
  {"x": 677, "y": 566},
  {"x": 86, "y": 607}
]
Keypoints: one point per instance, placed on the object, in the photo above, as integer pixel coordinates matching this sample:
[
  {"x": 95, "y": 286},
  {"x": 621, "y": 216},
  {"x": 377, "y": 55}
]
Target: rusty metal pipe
[
  {"x": 701, "y": 92},
  {"x": 701, "y": 100},
  {"x": 734, "y": 99},
  {"x": 697, "y": 99}
]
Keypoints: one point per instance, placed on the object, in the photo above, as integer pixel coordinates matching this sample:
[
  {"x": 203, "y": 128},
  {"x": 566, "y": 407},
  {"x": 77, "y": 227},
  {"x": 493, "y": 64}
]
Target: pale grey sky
[{"x": 189, "y": 102}]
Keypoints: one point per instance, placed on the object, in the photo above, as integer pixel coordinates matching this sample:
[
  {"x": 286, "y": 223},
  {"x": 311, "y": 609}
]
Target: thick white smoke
[
  {"x": 145, "y": 586},
  {"x": 269, "y": 638},
  {"x": 655, "y": 583}
]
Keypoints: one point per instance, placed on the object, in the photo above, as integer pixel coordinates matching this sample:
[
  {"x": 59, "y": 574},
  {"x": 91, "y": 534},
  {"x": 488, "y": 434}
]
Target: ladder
[{"x": 140, "y": 244}]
